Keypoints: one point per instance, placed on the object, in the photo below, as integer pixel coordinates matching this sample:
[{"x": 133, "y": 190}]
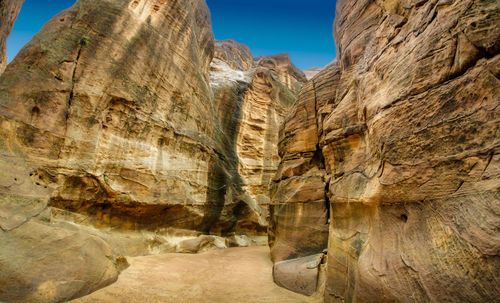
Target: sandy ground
[{"x": 227, "y": 275}]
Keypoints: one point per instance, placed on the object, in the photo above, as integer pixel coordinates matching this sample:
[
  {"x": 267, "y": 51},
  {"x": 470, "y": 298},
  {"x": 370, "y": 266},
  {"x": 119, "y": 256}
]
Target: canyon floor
[{"x": 226, "y": 275}]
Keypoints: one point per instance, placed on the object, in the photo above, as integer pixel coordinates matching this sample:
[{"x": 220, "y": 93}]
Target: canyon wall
[
  {"x": 401, "y": 139},
  {"x": 125, "y": 130},
  {"x": 252, "y": 99},
  {"x": 9, "y": 9},
  {"x": 106, "y": 119}
]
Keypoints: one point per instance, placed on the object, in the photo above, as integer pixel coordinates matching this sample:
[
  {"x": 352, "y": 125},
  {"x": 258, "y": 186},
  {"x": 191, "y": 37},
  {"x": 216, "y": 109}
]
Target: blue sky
[{"x": 299, "y": 27}]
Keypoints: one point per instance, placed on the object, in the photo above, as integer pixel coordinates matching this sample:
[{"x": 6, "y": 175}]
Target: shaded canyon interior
[{"x": 127, "y": 130}]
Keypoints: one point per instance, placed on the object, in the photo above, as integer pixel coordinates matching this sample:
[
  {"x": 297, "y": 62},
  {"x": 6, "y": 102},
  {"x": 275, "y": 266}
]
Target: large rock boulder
[
  {"x": 410, "y": 142},
  {"x": 40, "y": 260},
  {"x": 9, "y": 9},
  {"x": 299, "y": 275}
]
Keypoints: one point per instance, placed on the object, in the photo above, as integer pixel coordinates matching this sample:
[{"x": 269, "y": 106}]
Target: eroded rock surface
[
  {"x": 113, "y": 143},
  {"x": 409, "y": 134},
  {"x": 300, "y": 274},
  {"x": 299, "y": 205},
  {"x": 237, "y": 55},
  {"x": 106, "y": 113},
  {"x": 9, "y": 9},
  {"x": 287, "y": 72},
  {"x": 311, "y": 72},
  {"x": 252, "y": 101}
]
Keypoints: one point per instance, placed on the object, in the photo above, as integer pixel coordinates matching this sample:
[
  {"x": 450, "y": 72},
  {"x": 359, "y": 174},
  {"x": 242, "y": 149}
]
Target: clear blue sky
[{"x": 299, "y": 27}]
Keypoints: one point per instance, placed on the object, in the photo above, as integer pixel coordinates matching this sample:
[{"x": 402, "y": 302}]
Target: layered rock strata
[
  {"x": 252, "y": 101},
  {"x": 299, "y": 205},
  {"x": 409, "y": 134},
  {"x": 311, "y": 72},
  {"x": 9, "y": 9},
  {"x": 106, "y": 114},
  {"x": 109, "y": 122}
]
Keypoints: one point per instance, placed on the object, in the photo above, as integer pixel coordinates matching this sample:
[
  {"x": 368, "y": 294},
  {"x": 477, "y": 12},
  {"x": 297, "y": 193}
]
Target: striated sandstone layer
[
  {"x": 117, "y": 118},
  {"x": 287, "y": 72},
  {"x": 106, "y": 116},
  {"x": 112, "y": 143},
  {"x": 409, "y": 134},
  {"x": 9, "y": 9},
  {"x": 311, "y": 72},
  {"x": 237, "y": 55},
  {"x": 251, "y": 102},
  {"x": 299, "y": 205}
]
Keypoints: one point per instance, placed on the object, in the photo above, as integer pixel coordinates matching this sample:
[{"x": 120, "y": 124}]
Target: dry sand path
[{"x": 228, "y": 275}]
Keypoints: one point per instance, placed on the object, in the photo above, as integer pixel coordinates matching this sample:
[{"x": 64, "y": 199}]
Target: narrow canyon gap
[{"x": 127, "y": 130}]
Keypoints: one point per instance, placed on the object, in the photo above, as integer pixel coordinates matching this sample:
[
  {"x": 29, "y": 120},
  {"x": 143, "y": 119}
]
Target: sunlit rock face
[
  {"x": 237, "y": 55},
  {"x": 311, "y": 72},
  {"x": 287, "y": 72},
  {"x": 119, "y": 138},
  {"x": 117, "y": 117},
  {"x": 299, "y": 204},
  {"x": 252, "y": 102},
  {"x": 410, "y": 140},
  {"x": 9, "y": 9},
  {"x": 106, "y": 115}
]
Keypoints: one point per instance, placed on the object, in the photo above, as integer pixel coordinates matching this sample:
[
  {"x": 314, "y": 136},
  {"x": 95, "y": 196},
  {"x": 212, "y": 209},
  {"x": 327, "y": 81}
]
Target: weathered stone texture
[
  {"x": 109, "y": 121},
  {"x": 237, "y": 55},
  {"x": 311, "y": 72},
  {"x": 9, "y": 9},
  {"x": 411, "y": 148},
  {"x": 299, "y": 206},
  {"x": 251, "y": 105},
  {"x": 299, "y": 275},
  {"x": 287, "y": 73},
  {"x": 106, "y": 113},
  {"x": 117, "y": 116}
]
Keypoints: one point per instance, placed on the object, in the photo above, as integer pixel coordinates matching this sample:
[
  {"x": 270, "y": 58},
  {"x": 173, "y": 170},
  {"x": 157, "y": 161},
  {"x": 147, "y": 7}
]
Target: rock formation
[
  {"x": 107, "y": 113},
  {"x": 311, "y": 72},
  {"x": 113, "y": 142},
  {"x": 401, "y": 137},
  {"x": 9, "y": 9},
  {"x": 252, "y": 99},
  {"x": 126, "y": 130},
  {"x": 237, "y": 55}
]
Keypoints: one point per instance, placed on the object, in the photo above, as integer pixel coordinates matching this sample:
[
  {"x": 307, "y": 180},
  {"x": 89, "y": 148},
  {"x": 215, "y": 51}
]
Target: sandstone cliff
[
  {"x": 237, "y": 55},
  {"x": 252, "y": 101},
  {"x": 311, "y": 72},
  {"x": 109, "y": 121},
  {"x": 9, "y": 9},
  {"x": 107, "y": 113},
  {"x": 401, "y": 137}
]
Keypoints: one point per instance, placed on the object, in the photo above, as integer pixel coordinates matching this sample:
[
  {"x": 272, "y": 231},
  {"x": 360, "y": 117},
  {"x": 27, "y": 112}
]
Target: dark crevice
[
  {"x": 224, "y": 168},
  {"x": 318, "y": 157},
  {"x": 73, "y": 79},
  {"x": 328, "y": 205},
  {"x": 490, "y": 157},
  {"x": 459, "y": 186},
  {"x": 319, "y": 161}
]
